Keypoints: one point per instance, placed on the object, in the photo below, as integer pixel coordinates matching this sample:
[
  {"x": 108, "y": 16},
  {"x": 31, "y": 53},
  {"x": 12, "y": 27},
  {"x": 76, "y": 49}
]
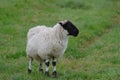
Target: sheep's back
[{"x": 35, "y": 30}]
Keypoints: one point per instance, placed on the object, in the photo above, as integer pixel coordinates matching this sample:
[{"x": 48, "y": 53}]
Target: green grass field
[{"x": 93, "y": 55}]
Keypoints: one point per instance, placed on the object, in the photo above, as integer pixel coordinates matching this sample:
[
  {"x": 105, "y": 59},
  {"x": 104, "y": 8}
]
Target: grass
[{"x": 93, "y": 55}]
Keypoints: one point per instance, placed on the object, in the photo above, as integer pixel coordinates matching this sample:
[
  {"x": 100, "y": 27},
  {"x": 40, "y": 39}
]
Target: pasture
[{"x": 93, "y": 55}]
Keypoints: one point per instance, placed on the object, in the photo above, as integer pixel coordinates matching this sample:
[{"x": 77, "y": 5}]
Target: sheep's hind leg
[
  {"x": 41, "y": 67},
  {"x": 30, "y": 65},
  {"x": 54, "y": 67},
  {"x": 47, "y": 67}
]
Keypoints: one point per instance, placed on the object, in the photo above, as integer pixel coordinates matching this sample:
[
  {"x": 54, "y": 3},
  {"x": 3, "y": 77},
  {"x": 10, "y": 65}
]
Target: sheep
[{"x": 46, "y": 43}]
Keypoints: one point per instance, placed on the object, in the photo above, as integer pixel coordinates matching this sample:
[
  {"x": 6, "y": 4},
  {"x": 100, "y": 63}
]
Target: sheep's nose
[{"x": 76, "y": 32}]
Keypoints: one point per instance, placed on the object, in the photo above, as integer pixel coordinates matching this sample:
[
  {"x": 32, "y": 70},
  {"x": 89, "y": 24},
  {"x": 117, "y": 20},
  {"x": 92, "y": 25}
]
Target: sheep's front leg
[
  {"x": 30, "y": 65},
  {"x": 54, "y": 67},
  {"x": 47, "y": 67}
]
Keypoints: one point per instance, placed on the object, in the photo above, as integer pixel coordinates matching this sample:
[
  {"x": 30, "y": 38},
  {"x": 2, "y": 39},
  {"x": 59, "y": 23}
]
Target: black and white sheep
[{"x": 45, "y": 43}]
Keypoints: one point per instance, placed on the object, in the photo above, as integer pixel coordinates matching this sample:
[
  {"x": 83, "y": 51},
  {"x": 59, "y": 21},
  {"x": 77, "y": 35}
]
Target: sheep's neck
[{"x": 61, "y": 34}]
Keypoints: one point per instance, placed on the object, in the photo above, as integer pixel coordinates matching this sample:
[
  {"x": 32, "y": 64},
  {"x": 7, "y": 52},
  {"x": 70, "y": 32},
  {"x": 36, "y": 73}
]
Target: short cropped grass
[{"x": 93, "y": 55}]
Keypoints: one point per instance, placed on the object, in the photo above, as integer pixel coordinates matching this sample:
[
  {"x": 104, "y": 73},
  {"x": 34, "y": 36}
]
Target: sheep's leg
[
  {"x": 47, "y": 67},
  {"x": 54, "y": 67},
  {"x": 30, "y": 65},
  {"x": 41, "y": 67}
]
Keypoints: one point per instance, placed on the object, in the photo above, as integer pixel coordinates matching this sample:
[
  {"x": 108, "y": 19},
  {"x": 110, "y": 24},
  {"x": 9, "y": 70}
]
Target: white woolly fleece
[{"x": 44, "y": 43}]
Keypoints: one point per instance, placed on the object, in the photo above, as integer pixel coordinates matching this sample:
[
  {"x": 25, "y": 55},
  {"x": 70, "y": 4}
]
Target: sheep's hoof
[
  {"x": 41, "y": 70},
  {"x": 47, "y": 74},
  {"x": 29, "y": 70},
  {"x": 54, "y": 74}
]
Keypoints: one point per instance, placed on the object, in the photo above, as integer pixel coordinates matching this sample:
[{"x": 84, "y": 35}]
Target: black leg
[
  {"x": 47, "y": 67},
  {"x": 41, "y": 67},
  {"x": 54, "y": 67}
]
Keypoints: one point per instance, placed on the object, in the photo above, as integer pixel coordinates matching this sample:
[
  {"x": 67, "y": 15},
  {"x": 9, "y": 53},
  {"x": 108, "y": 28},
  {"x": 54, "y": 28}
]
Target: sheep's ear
[{"x": 63, "y": 22}]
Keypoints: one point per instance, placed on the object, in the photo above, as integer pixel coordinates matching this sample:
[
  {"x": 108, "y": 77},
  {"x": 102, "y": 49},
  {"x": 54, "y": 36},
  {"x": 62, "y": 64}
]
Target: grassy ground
[{"x": 93, "y": 55}]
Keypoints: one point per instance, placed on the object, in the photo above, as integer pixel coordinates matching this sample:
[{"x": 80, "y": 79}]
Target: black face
[{"x": 72, "y": 30}]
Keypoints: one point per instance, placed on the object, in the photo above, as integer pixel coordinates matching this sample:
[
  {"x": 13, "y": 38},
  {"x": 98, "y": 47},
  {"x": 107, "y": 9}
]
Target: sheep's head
[{"x": 71, "y": 28}]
